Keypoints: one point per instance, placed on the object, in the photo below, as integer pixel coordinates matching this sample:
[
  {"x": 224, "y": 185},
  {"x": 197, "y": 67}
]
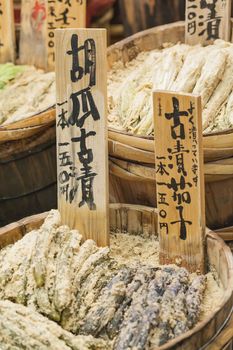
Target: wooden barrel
[
  {"x": 28, "y": 168},
  {"x": 132, "y": 182},
  {"x": 216, "y": 145},
  {"x": 215, "y": 331}
]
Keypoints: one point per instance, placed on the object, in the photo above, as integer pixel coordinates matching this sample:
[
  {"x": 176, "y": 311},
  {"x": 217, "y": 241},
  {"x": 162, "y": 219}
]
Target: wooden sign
[
  {"x": 207, "y": 20},
  {"x": 32, "y": 47},
  {"x": 180, "y": 179},
  {"x": 62, "y": 14},
  {"x": 7, "y": 31},
  {"x": 39, "y": 19},
  {"x": 82, "y": 156}
]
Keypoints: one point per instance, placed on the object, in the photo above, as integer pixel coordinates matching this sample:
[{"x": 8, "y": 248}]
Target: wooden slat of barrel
[
  {"x": 135, "y": 184},
  {"x": 229, "y": 346},
  {"x": 117, "y": 149},
  {"x": 137, "y": 219},
  {"x": 28, "y": 176},
  {"x": 147, "y": 142},
  {"x": 224, "y": 339},
  {"x": 216, "y": 171},
  {"x": 217, "y": 153},
  {"x": 141, "y": 154},
  {"x": 128, "y": 144},
  {"x": 131, "y": 140},
  {"x": 226, "y": 233},
  {"x": 220, "y": 258},
  {"x": 219, "y": 199}
]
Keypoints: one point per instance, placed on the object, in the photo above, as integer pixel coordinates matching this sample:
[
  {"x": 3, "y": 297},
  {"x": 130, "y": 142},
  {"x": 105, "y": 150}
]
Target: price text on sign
[
  {"x": 179, "y": 179},
  {"x": 7, "y": 31},
  {"x": 207, "y": 20},
  {"x": 82, "y": 131},
  {"x": 63, "y": 14}
]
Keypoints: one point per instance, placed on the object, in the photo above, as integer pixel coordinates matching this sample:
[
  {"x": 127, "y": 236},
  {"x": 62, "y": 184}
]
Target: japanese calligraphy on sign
[
  {"x": 63, "y": 14},
  {"x": 82, "y": 131},
  {"x": 179, "y": 178},
  {"x": 207, "y": 20},
  {"x": 7, "y": 31},
  {"x": 39, "y": 19}
]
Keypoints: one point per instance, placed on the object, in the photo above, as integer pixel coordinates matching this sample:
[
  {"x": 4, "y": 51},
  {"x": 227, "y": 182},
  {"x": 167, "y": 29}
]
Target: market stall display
[
  {"x": 132, "y": 157},
  {"x": 155, "y": 278}
]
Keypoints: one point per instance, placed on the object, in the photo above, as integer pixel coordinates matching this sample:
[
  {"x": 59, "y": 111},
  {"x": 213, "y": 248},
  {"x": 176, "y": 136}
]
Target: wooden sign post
[
  {"x": 39, "y": 19},
  {"x": 7, "y": 31},
  {"x": 82, "y": 155},
  {"x": 180, "y": 179},
  {"x": 207, "y": 20}
]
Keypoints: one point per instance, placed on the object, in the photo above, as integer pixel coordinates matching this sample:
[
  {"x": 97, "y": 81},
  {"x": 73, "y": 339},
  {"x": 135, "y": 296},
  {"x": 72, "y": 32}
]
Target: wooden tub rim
[
  {"x": 125, "y": 133},
  {"x": 21, "y": 226},
  {"x": 25, "y": 122}
]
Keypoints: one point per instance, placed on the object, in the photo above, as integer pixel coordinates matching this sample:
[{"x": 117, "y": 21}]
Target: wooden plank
[
  {"x": 39, "y": 19},
  {"x": 180, "y": 179},
  {"x": 231, "y": 29},
  {"x": 63, "y": 14},
  {"x": 7, "y": 32},
  {"x": 207, "y": 20},
  {"x": 224, "y": 339},
  {"x": 133, "y": 219},
  {"x": 81, "y": 79}
]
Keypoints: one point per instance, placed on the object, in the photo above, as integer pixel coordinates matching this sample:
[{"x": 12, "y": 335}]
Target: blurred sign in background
[{"x": 124, "y": 17}]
